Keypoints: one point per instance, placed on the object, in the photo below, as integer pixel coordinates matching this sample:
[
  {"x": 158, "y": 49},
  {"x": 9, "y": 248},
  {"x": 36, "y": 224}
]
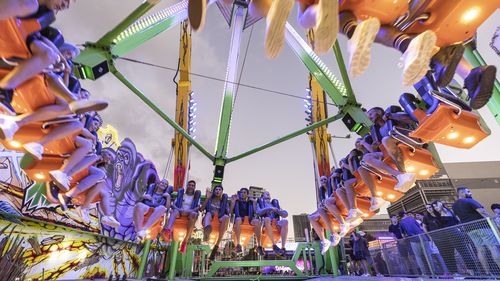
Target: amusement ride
[{"x": 441, "y": 113}]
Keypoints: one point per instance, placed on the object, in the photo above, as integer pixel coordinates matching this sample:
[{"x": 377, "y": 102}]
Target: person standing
[
  {"x": 403, "y": 245},
  {"x": 470, "y": 212}
]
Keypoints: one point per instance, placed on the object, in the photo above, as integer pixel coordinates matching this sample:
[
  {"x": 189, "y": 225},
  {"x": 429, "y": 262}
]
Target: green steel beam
[
  {"x": 473, "y": 57},
  {"x": 230, "y": 86},
  {"x": 343, "y": 73},
  {"x": 148, "y": 27},
  {"x": 337, "y": 92},
  {"x": 158, "y": 111},
  {"x": 108, "y": 38},
  {"x": 316, "y": 67},
  {"x": 287, "y": 137},
  {"x": 144, "y": 259},
  {"x": 174, "y": 247}
]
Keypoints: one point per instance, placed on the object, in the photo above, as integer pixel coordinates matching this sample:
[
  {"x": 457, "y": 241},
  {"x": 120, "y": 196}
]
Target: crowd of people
[
  {"x": 262, "y": 214},
  {"x": 440, "y": 232}
]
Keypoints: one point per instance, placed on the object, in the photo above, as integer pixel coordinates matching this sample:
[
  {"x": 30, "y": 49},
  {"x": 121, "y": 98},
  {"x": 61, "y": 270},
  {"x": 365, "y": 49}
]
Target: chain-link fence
[{"x": 467, "y": 250}]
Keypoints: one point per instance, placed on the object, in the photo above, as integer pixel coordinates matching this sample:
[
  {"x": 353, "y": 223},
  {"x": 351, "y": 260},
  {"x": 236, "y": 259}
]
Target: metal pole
[
  {"x": 163, "y": 115},
  {"x": 230, "y": 86},
  {"x": 335, "y": 163},
  {"x": 427, "y": 258},
  {"x": 174, "y": 247},
  {"x": 287, "y": 137},
  {"x": 144, "y": 259}
]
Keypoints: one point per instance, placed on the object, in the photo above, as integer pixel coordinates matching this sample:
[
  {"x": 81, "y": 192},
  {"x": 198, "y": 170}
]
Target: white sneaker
[
  {"x": 353, "y": 215},
  {"x": 360, "y": 45},
  {"x": 140, "y": 235},
  {"x": 335, "y": 239},
  {"x": 325, "y": 245},
  {"x": 275, "y": 27},
  {"x": 344, "y": 229},
  {"x": 83, "y": 214},
  {"x": 60, "y": 179},
  {"x": 376, "y": 203},
  {"x": 327, "y": 25},
  {"x": 405, "y": 182},
  {"x": 356, "y": 222},
  {"x": 418, "y": 57},
  {"x": 110, "y": 221},
  {"x": 8, "y": 127},
  {"x": 34, "y": 149}
]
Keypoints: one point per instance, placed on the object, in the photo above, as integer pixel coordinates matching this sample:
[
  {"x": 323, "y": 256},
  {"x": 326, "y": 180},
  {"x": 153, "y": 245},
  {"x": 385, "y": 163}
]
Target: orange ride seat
[
  {"x": 449, "y": 126},
  {"x": 266, "y": 241},
  {"x": 387, "y": 11},
  {"x": 384, "y": 187},
  {"x": 335, "y": 223},
  {"x": 364, "y": 206},
  {"x": 156, "y": 228},
  {"x": 179, "y": 228},
  {"x": 215, "y": 230},
  {"x": 454, "y": 21},
  {"x": 247, "y": 231}
]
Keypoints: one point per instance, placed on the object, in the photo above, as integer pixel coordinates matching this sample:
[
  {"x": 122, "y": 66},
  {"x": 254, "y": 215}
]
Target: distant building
[
  {"x": 300, "y": 223},
  {"x": 256, "y": 192}
]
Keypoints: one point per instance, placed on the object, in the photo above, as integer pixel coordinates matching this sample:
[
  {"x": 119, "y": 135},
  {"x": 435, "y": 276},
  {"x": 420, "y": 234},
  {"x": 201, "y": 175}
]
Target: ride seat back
[
  {"x": 454, "y": 21},
  {"x": 387, "y": 11},
  {"x": 384, "y": 187},
  {"x": 30, "y": 95},
  {"x": 364, "y": 205},
  {"x": 247, "y": 231},
  {"x": 446, "y": 126},
  {"x": 38, "y": 170}
]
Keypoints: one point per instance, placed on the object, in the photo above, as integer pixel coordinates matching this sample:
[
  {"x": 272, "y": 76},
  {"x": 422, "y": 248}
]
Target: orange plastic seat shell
[
  {"x": 445, "y": 126},
  {"x": 384, "y": 187},
  {"x": 364, "y": 206},
  {"x": 13, "y": 39},
  {"x": 420, "y": 162},
  {"x": 155, "y": 229},
  {"x": 39, "y": 170},
  {"x": 33, "y": 133},
  {"x": 179, "y": 228},
  {"x": 387, "y": 11},
  {"x": 247, "y": 231},
  {"x": 266, "y": 242},
  {"x": 30, "y": 95},
  {"x": 454, "y": 21},
  {"x": 215, "y": 230},
  {"x": 335, "y": 224}
]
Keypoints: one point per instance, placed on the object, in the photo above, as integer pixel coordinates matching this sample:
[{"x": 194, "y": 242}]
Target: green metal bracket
[
  {"x": 343, "y": 72},
  {"x": 355, "y": 118},
  {"x": 287, "y": 137},
  {"x": 163, "y": 115},
  {"x": 144, "y": 259},
  {"x": 473, "y": 57},
  {"x": 187, "y": 271},
  {"x": 108, "y": 38}
]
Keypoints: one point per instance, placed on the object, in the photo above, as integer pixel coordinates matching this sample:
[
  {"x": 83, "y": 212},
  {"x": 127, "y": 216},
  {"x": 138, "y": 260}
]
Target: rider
[
  {"x": 187, "y": 204},
  {"x": 156, "y": 200},
  {"x": 325, "y": 192},
  {"x": 244, "y": 207},
  {"x": 216, "y": 205},
  {"x": 270, "y": 210}
]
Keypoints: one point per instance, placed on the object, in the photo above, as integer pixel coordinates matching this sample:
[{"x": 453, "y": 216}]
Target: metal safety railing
[{"x": 466, "y": 250}]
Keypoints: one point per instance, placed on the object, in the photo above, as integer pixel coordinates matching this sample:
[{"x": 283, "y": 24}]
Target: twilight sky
[{"x": 285, "y": 170}]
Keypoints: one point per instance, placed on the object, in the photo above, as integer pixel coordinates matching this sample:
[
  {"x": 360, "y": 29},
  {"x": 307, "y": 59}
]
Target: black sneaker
[
  {"x": 239, "y": 249},
  {"x": 260, "y": 251},
  {"x": 445, "y": 62},
  {"x": 5, "y": 100},
  {"x": 213, "y": 253},
  {"x": 277, "y": 250},
  {"x": 479, "y": 84}
]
